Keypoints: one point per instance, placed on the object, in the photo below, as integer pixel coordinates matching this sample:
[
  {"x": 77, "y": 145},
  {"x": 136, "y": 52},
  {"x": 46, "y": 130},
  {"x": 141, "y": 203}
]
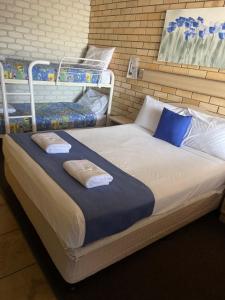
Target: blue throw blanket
[{"x": 107, "y": 209}]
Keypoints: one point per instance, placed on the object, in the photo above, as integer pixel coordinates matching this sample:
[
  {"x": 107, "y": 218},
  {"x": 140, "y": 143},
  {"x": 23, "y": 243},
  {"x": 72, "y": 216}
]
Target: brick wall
[
  {"x": 43, "y": 93},
  {"x": 135, "y": 28},
  {"x": 43, "y": 29}
]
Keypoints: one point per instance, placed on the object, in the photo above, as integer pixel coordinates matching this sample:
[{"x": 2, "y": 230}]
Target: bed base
[
  {"x": 222, "y": 217},
  {"x": 222, "y": 211},
  {"x": 76, "y": 264}
]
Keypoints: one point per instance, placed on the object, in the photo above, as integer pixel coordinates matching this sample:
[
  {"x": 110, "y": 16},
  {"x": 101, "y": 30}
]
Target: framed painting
[{"x": 194, "y": 37}]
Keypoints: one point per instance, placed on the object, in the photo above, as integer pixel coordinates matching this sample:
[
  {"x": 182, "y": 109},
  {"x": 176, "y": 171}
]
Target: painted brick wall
[
  {"x": 43, "y": 93},
  {"x": 43, "y": 28},
  {"x": 135, "y": 28}
]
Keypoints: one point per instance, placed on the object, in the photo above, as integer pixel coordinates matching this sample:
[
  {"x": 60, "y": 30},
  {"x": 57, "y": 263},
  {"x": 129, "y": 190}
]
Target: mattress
[
  {"x": 18, "y": 69},
  {"x": 175, "y": 175},
  {"x": 90, "y": 259},
  {"x": 51, "y": 116}
]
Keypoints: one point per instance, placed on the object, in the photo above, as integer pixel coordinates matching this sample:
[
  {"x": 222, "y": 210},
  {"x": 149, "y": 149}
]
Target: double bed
[{"x": 186, "y": 183}]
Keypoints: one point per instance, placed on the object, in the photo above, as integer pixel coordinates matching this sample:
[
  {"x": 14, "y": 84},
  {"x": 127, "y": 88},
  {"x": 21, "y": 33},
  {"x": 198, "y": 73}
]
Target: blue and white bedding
[
  {"x": 106, "y": 209},
  {"x": 49, "y": 116},
  {"x": 157, "y": 164},
  {"x": 18, "y": 69}
]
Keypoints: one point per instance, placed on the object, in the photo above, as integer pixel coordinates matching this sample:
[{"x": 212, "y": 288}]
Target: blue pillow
[{"x": 172, "y": 127}]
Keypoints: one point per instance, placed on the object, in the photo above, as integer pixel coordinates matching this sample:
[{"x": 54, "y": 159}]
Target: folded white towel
[
  {"x": 51, "y": 142},
  {"x": 87, "y": 173}
]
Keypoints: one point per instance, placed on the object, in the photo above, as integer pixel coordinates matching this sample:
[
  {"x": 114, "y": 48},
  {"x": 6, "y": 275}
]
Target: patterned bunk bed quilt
[
  {"x": 18, "y": 69},
  {"x": 50, "y": 116}
]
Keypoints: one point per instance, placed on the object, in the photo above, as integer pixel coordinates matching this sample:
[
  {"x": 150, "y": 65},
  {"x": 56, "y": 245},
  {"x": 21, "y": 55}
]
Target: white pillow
[
  {"x": 104, "y": 54},
  {"x": 11, "y": 109},
  {"x": 151, "y": 111},
  {"x": 207, "y": 134},
  {"x": 96, "y": 101}
]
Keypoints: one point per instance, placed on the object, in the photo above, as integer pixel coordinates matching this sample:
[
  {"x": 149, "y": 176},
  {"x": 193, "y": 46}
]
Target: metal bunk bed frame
[{"x": 70, "y": 63}]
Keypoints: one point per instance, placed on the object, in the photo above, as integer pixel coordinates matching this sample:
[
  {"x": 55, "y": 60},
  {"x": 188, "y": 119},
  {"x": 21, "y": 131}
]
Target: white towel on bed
[
  {"x": 51, "y": 142},
  {"x": 87, "y": 173}
]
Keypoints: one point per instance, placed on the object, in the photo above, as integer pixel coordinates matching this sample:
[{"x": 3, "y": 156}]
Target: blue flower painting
[{"x": 194, "y": 37}]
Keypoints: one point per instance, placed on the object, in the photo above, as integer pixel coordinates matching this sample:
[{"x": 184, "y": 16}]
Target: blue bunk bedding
[
  {"x": 18, "y": 69},
  {"x": 51, "y": 116}
]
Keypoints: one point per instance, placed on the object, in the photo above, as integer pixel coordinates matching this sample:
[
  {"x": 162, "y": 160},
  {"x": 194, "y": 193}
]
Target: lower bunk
[
  {"x": 88, "y": 111},
  {"x": 53, "y": 116}
]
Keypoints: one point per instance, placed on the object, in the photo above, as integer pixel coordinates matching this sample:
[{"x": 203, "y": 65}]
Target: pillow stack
[
  {"x": 183, "y": 126},
  {"x": 207, "y": 134},
  {"x": 151, "y": 111},
  {"x": 165, "y": 121}
]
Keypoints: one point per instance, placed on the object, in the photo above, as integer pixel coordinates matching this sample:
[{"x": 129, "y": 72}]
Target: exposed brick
[
  {"x": 160, "y": 94},
  {"x": 197, "y": 73},
  {"x": 217, "y": 101},
  {"x": 174, "y": 98},
  {"x": 221, "y": 110},
  {"x": 209, "y": 107},
  {"x": 190, "y": 101},
  {"x": 185, "y": 94},
  {"x": 215, "y": 76},
  {"x": 203, "y": 98},
  {"x": 136, "y": 30},
  {"x": 168, "y": 90}
]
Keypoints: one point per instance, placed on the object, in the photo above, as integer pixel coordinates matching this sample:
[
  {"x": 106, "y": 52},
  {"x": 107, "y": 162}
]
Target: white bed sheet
[{"x": 174, "y": 175}]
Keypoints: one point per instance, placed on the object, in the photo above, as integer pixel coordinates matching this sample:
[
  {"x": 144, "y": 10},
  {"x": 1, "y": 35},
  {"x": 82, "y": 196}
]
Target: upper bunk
[
  {"x": 80, "y": 72},
  {"x": 70, "y": 71}
]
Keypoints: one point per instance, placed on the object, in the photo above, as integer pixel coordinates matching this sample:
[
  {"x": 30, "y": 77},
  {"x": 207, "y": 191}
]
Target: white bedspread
[{"x": 175, "y": 175}]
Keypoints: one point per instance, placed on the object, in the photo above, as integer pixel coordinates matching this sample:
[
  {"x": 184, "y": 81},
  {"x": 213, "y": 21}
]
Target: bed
[
  {"x": 187, "y": 183},
  {"x": 74, "y": 72},
  {"x": 18, "y": 70},
  {"x": 53, "y": 116}
]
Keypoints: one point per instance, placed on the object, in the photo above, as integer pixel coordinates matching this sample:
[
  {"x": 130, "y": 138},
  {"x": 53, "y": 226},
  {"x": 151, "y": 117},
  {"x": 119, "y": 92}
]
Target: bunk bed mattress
[
  {"x": 15, "y": 69},
  {"x": 158, "y": 164},
  {"x": 51, "y": 116}
]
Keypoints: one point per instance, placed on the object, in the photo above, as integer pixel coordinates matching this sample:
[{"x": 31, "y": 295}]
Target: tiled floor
[{"x": 20, "y": 276}]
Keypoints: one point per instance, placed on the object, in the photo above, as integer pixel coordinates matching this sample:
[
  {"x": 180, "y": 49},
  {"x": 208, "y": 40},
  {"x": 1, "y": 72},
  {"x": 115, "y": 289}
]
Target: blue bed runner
[{"x": 108, "y": 209}]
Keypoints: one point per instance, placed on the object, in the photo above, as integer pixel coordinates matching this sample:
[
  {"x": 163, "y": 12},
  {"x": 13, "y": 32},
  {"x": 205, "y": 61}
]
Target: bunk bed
[{"x": 74, "y": 72}]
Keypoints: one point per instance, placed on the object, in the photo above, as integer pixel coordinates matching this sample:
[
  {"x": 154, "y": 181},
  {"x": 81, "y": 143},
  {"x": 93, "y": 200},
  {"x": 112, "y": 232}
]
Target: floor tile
[
  {"x": 15, "y": 253},
  {"x": 7, "y": 220},
  {"x": 26, "y": 284}
]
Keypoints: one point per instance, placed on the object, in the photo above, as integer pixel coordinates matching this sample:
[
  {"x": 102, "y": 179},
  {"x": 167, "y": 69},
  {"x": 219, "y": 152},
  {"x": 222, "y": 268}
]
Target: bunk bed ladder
[
  {"x": 7, "y": 117},
  {"x": 4, "y": 99}
]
